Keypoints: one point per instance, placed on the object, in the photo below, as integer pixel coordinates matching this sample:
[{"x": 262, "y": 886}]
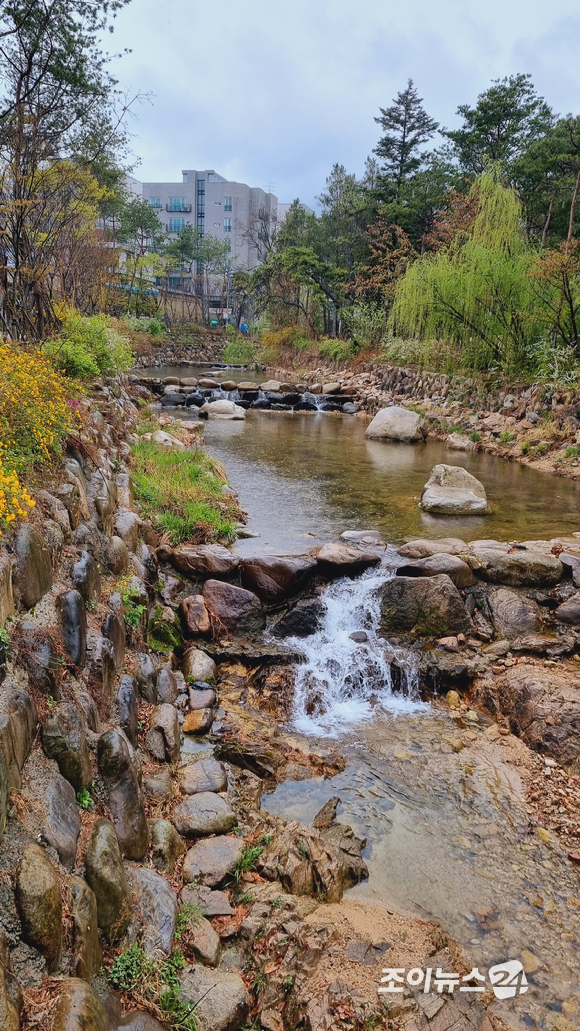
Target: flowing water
[{"x": 448, "y": 832}]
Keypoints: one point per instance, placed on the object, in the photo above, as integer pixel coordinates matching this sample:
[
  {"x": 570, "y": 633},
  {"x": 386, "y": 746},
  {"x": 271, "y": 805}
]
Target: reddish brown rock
[
  {"x": 204, "y": 560},
  {"x": 235, "y": 610},
  {"x": 272, "y": 577},
  {"x": 194, "y": 616}
]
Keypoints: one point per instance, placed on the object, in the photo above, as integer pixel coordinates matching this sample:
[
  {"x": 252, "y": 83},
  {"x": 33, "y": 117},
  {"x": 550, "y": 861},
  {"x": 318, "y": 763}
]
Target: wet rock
[
  {"x": 105, "y": 874},
  {"x": 210, "y": 861},
  {"x": 194, "y": 400},
  {"x": 63, "y": 823},
  {"x": 114, "y": 630},
  {"x": 117, "y": 555},
  {"x": 423, "y": 548},
  {"x": 397, "y": 423},
  {"x": 454, "y": 567},
  {"x": 305, "y": 859},
  {"x": 73, "y": 618},
  {"x": 194, "y": 616},
  {"x": 40, "y": 904},
  {"x": 326, "y": 816},
  {"x": 79, "y": 1008},
  {"x": 205, "y": 775},
  {"x": 518, "y": 568},
  {"x": 273, "y": 578},
  {"x": 234, "y": 609},
  {"x": 87, "y": 579},
  {"x": 64, "y": 739},
  {"x": 569, "y": 611},
  {"x": 205, "y": 560},
  {"x": 198, "y": 665},
  {"x": 205, "y": 942},
  {"x": 102, "y": 671},
  {"x": 85, "y": 948},
  {"x": 127, "y": 528},
  {"x": 426, "y": 606},
  {"x": 339, "y": 560},
  {"x": 159, "y": 785},
  {"x": 167, "y": 686},
  {"x": 166, "y": 845},
  {"x": 301, "y": 621},
  {"x": 256, "y": 756},
  {"x": 32, "y": 574},
  {"x": 221, "y": 1000},
  {"x": 164, "y": 722},
  {"x": 451, "y": 490},
  {"x": 221, "y": 410},
  {"x": 200, "y": 699},
  {"x": 513, "y": 615},
  {"x": 359, "y": 636},
  {"x": 211, "y": 903},
  {"x": 127, "y": 705},
  {"x": 146, "y": 676},
  {"x": 118, "y": 770},
  {"x": 172, "y": 400},
  {"x": 198, "y": 721},
  {"x": 157, "y": 907},
  {"x": 202, "y": 814}
]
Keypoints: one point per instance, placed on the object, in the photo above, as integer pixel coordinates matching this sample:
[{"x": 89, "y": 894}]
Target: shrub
[
  {"x": 145, "y": 324},
  {"x": 506, "y": 437},
  {"x": 89, "y": 346},
  {"x": 366, "y": 322},
  {"x": 238, "y": 352},
  {"x": 14, "y": 498},
  {"x": 289, "y": 338},
  {"x": 337, "y": 350}
]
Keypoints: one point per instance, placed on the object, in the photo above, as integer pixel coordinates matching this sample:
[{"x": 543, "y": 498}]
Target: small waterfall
[{"x": 342, "y": 682}]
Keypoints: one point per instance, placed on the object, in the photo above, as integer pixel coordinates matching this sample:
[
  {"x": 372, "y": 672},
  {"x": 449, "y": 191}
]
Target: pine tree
[{"x": 407, "y": 127}]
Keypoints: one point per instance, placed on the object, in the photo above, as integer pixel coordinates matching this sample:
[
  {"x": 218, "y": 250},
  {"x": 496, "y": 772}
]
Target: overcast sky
[{"x": 275, "y": 93}]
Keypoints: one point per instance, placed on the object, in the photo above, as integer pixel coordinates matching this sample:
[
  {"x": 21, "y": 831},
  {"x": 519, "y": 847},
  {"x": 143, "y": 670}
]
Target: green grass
[
  {"x": 153, "y": 984},
  {"x": 506, "y": 437},
  {"x": 475, "y": 436},
  {"x": 182, "y": 492},
  {"x": 238, "y": 352},
  {"x": 573, "y": 451},
  {"x": 84, "y": 799}
]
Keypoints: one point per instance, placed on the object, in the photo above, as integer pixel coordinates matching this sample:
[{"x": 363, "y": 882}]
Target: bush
[
  {"x": 145, "y": 324},
  {"x": 238, "y": 352},
  {"x": 366, "y": 322},
  {"x": 89, "y": 346},
  {"x": 337, "y": 350},
  {"x": 289, "y": 338},
  {"x": 555, "y": 362},
  {"x": 36, "y": 411},
  {"x": 14, "y": 498}
]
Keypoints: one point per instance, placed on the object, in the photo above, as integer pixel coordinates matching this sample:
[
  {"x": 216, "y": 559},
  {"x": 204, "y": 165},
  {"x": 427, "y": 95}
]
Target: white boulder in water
[
  {"x": 451, "y": 490},
  {"x": 167, "y": 440},
  {"x": 396, "y": 423},
  {"x": 222, "y": 410}
]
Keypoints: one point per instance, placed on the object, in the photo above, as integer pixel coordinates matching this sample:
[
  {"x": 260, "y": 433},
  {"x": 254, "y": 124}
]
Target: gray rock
[
  {"x": 127, "y": 705},
  {"x": 517, "y": 568},
  {"x": 167, "y": 686},
  {"x": 114, "y": 630},
  {"x": 397, "y": 423},
  {"x": 63, "y": 822},
  {"x": 102, "y": 671},
  {"x": 73, "y": 618},
  {"x": 423, "y": 548},
  {"x": 513, "y": 615},
  {"x": 57, "y": 510},
  {"x": 336, "y": 560},
  {"x": 64, "y": 739},
  {"x": 194, "y": 616},
  {"x": 166, "y": 845},
  {"x": 118, "y": 770},
  {"x": 157, "y": 907},
  {"x": 209, "y": 862},
  {"x": 273, "y": 578},
  {"x": 211, "y": 903},
  {"x": 146, "y": 675},
  {"x": 426, "y": 606},
  {"x": 159, "y": 785},
  {"x": 136, "y": 1020},
  {"x": 164, "y": 721},
  {"x": 87, "y": 578},
  {"x": 205, "y": 775},
  {"x": 69, "y": 494},
  {"x": 32, "y": 574},
  {"x": 198, "y": 665},
  {"x": 11, "y": 1000},
  {"x": 451, "y": 490},
  {"x": 117, "y": 555},
  {"x": 205, "y": 560},
  {"x": 302, "y": 621},
  {"x": 79, "y": 1008},
  {"x": 235, "y": 609},
  {"x": 106, "y": 876},
  {"x": 204, "y": 813},
  {"x": 569, "y": 611},
  {"x": 41, "y": 658},
  {"x": 6, "y": 592},
  {"x": 200, "y": 699},
  {"x": 40, "y": 904},
  {"x": 455, "y": 568},
  {"x": 127, "y": 528},
  {"x": 85, "y": 947},
  {"x": 17, "y": 728},
  {"x": 221, "y": 1000},
  {"x": 205, "y": 942}
]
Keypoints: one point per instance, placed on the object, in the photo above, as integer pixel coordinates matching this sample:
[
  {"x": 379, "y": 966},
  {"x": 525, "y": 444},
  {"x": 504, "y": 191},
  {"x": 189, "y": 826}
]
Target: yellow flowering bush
[{"x": 14, "y": 498}]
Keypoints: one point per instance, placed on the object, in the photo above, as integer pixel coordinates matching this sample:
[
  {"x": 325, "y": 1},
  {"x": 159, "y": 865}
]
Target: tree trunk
[
  {"x": 547, "y": 223},
  {"x": 573, "y": 211}
]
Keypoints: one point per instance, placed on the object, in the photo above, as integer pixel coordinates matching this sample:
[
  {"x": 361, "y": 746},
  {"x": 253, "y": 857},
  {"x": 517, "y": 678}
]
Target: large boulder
[
  {"x": 118, "y": 769},
  {"x": 105, "y": 874},
  {"x": 211, "y": 860},
  {"x": 306, "y": 860},
  {"x": 234, "y": 609},
  {"x": 63, "y": 824},
  {"x": 198, "y": 665},
  {"x": 205, "y": 775},
  {"x": 194, "y": 616},
  {"x": 272, "y": 577},
  {"x": 205, "y": 560},
  {"x": 423, "y": 606},
  {"x": 336, "y": 560},
  {"x": 451, "y": 490},
  {"x": 518, "y": 568},
  {"x": 86, "y": 578},
  {"x": 73, "y": 618},
  {"x": 202, "y": 814},
  {"x": 513, "y": 615},
  {"x": 220, "y": 999},
  {"x": 163, "y": 736},
  {"x": 32, "y": 575},
  {"x": 453, "y": 566},
  {"x": 396, "y": 423},
  {"x": 569, "y": 610},
  {"x": 79, "y": 1008},
  {"x": 85, "y": 946},
  {"x": 423, "y": 548},
  {"x": 221, "y": 410},
  {"x": 127, "y": 703},
  {"x": 157, "y": 907},
  {"x": 63, "y": 736},
  {"x": 40, "y": 904},
  {"x": 301, "y": 621}
]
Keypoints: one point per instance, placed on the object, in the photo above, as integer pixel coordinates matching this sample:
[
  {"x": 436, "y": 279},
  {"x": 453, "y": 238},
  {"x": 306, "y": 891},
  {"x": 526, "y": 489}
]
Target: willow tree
[{"x": 476, "y": 292}]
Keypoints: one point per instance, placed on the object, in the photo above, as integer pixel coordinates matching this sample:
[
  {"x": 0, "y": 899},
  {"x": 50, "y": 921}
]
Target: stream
[{"x": 448, "y": 834}]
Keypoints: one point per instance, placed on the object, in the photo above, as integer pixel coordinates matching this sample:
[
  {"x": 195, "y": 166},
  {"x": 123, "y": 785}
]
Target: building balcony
[{"x": 176, "y": 208}]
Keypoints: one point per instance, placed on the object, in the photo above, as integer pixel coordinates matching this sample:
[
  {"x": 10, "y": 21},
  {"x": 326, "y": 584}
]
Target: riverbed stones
[
  {"x": 86, "y": 949},
  {"x": 163, "y": 736},
  {"x": 202, "y": 814},
  {"x": 198, "y": 665},
  {"x": 451, "y": 490},
  {"x": 86, "y": 579},
  {"x": 205, "y": 560},
  {"x": 106, "y": 876},
  {"x": 157, "y": 907},
  {"x": 39, "y": 903},
  {"x": 117, "y": 555},
  {"x": 63, "y": 823},
  {"x": 234, "y": 609},
  {"x": 211, "y": 860},
  {"x": 79, "y": 1008},
  {"x": 420, "y": 606},
  {"x": 200, "y": 698},
  {"x": 118, "y": 770},
  {"x": 569, "y": 611},
  {"x": 301, "y": 621},
  {"x": 166, "y": 845},
  {"x": 434, "y": 565},
  {"x": 396, "y": 423},
  {"x": 198, "y": 721},
  {"x": 336, "y": 560},
  {"x": 146, "y": 677},
  {"x": 512, "y": 614},
  {"x": 205, "y": 775},
  {"x": 222, "y": 410},
  {"x": 32, "y": 574},
  {"x": 63, "y": 735},
  {"x": 517, "y": 568},
  {"x": 167, "y": 686},
  {"x": 194, "y": 616},
  {"x": 73, "y": 618},
  {"x": 273, "y": 578},
  {"x": 423, "y": 548},
  {"x": 220, "y": 999},
  {"x": 127, "y": 697}
]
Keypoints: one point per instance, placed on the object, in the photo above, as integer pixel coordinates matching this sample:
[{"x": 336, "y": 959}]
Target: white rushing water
[{"x": 344, "y": 682}]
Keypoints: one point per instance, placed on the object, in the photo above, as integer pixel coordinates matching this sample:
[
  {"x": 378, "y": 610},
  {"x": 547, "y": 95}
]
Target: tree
[
  {"x": 340, "y": 236},
  {"x": 141, "y": 231},
  {"x": 507, "y": 118},
  {"x": 407, "y": 127},
  {"x": 548, "y": 179}
]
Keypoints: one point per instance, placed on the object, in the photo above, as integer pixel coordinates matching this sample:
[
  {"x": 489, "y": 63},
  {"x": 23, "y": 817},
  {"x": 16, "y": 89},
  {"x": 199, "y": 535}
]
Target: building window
[
  {"x": 217, "y": 225},
  {"x": 227, "y": 203},
  {"x": 227, "y": 225},
  {"x": 177, "y": 203},
  {"x": 176, "y": 225},
  {"x": 155, "y": 202},
  {"x": 201, "y": 206}
]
